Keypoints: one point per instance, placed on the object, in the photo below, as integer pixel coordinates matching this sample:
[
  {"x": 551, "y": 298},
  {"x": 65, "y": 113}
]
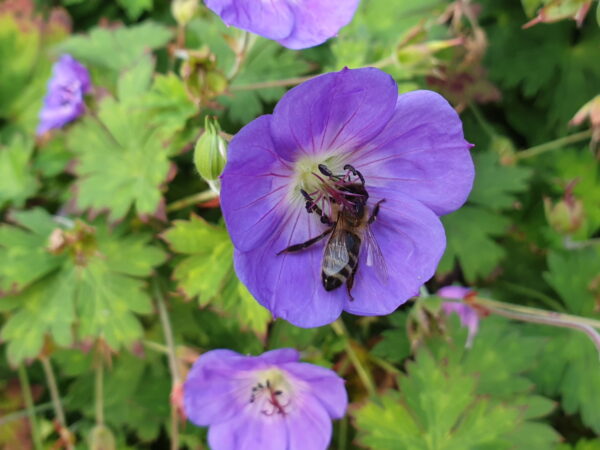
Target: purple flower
[
  {"x": 64, "y": 100},
  {"x": 271, "y": 401},
  {"x": 467, "y": 315},
  {"x": 276, "y": 192},
  {"x": 293, "y": 23}
]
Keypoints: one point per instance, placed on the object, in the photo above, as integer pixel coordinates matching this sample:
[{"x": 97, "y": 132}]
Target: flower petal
[
  {"x": 453, "y": 292},
  {"x": 336, "y": 111},
  {"x": 412, "y": 241},
  {"x": 289, "y": 285},
  {"x": 272, "y": 19},
  {"x": 309, "y": 427},
  {"x": 325, "y": 385},
  {"x": 246, "y": 432},
  {"x": 421, "y": 153},
  {"x": 280, "y": 356},
  {"x": 318, "y": 20},
  {"x": 253, "y": 186}
]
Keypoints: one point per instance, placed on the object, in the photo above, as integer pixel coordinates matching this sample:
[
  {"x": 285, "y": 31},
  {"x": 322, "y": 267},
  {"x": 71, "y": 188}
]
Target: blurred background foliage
[{"x": 116, "y": 268}]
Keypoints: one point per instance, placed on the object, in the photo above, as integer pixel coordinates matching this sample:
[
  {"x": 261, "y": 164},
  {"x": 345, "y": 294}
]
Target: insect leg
[
  {"x": 355, "y": 172},
  {"x": 303, "y": 245},
  {"x": 375, "y": 211}
]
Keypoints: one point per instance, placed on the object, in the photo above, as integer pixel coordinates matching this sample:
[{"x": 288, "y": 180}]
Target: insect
[{"x": 347, "y": 198}]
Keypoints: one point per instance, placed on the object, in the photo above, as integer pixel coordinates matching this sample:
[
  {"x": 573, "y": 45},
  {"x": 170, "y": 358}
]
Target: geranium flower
[
  {"x": 271, "y": 401},
  {"x": 64, "y": 101},
  {"x": 294, "y": 24},
  {"x": 414, "y": 161},
  {"x": 467, "y": 315}
]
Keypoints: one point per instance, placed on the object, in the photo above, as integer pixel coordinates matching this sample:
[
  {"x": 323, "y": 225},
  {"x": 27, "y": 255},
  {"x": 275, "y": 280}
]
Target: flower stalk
[
  {"x": 553, "y": 145},
  {"x": 28, "y": 399},
  {"x": 534, "y": 315},
  {"x": 64, "y": 432},
  {"x": 365, "y": 377},
  {"x": 173, "y": 367}
]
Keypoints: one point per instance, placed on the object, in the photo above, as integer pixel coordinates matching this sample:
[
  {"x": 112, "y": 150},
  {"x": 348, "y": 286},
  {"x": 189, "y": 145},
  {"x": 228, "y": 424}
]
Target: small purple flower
[
  {"x": 339, "y": 149},
  {"x": 467, "y": 315},
  {"x": 64, "y": 100},
  {"x": 271, "y": 401},
  {"x": 294, "y": 24}
]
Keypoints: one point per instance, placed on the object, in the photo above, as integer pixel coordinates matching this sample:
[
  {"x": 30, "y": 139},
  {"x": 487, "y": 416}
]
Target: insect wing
[
  {"x": 336, "y": 255},
  {"x": 374, "y": 256}
]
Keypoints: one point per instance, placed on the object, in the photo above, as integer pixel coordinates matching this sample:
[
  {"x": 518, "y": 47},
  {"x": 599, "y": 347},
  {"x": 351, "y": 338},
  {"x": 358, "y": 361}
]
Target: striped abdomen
[{"x": 340, "y": 259}]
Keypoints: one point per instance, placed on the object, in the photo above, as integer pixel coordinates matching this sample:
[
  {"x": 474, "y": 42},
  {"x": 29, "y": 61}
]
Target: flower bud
[
  {"x": 210, "y": 154},
  {"x": 101, "y": 438},
  {"x": 183, "y": 11},
  {"x": 567, "y": 215}
]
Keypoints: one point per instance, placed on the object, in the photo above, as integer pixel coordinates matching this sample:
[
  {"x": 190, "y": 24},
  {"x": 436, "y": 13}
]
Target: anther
[{"x": 325, "y": 170}]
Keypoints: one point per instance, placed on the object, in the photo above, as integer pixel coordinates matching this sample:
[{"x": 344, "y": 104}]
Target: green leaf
[
  {"x": 437, "y": 407},
  {"x": 207, "y": 272},
  {"x": 136, "y": 394},
  {"x": 123, "y": 161},
  {"x": 495, "y": 185},
  {"x": 94, "y": 283},
  {"x": 117, "y": 49},
  {"x": 572, "y": 274},
  {"x": 135, "y": 8},
  {"x": 470, "y": 232},
  {"x": 24, "y": 257},
  {"x": 169, "y": 102},
  {"x": 17, "y": 182}
]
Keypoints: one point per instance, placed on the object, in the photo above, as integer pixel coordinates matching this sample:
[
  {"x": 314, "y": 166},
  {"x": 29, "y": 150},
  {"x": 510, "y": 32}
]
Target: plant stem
[
  {"x": 533, "y": 315},
  {"x": 99, "y": 392},
  {"x": 156, "y": 347},
  {"x": 547, "y": 300},
  {"x": 552, "y": 145},
  {"x": 17, "y": 415},
  {"x": 240, "y": 56},
  {"x": 173, "y": 367},
  {"x": 28, "y": 398},
  {"x": 363, "y": 374},
  {"x": 192, "y": 200},
  {"x": 56, "y": 403},
  {"x": 270, "y": 84}
]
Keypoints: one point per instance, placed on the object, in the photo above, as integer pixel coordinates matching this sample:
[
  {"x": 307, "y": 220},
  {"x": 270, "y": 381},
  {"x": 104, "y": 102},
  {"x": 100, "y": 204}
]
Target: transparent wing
[
  {"x": 374, "y": 256},
  {"x": 336, "y": 256}
]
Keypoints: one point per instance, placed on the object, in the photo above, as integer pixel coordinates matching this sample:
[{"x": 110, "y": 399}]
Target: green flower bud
[
  {"x": 183, "y": 11},
  {"x": 101, "y": 438},
  {"x": 566, "y": 216},
  {"x": 210, "y": 154}
]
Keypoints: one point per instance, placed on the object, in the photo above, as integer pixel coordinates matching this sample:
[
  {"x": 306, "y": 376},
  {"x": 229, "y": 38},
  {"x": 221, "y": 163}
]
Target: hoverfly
[{"x": 350, "y": 228}]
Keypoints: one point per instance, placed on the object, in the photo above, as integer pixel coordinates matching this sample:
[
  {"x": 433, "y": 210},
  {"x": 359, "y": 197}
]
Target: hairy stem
[
  {"x": 240, "y": 56},
  {"x": 28, "y": 399},
  {"x": 173, "y": 367},
  {"x": 365, "y": 377},
  {"x": 99, "y": 386},
  {"x": 192, "y": 200},
  {"x": 533, "y": 315},
  {"x": 56, "y": 402},
  {"x": 533, "y": 293},
  {"x": 553, "y": 145}
]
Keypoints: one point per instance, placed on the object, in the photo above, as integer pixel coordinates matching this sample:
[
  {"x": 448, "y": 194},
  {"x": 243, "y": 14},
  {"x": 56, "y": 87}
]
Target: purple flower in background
[
  {"x": 467, "y": 315},
  {"x": 271, "y": 401},
  {"x": 339, "y": 150},
  {"x": 64, "y": 100},
  {"x": 294, "y": 24}
]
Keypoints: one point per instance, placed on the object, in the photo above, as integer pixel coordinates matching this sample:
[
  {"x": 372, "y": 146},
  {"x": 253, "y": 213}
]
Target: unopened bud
[
  {"x": 183, "y": 11},
  {"x": 210, "y": 154},
  {"x": 101, "y": 438},
  {"x": 566, "y": 216}
]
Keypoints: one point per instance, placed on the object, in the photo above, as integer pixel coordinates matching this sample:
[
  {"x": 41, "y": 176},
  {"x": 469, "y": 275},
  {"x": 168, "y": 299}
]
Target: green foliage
[
  {"x": 453, "y": 398},
  {"x": 207, "y": 272},
  {"x": 471, "y": 230},
  {"x": 116, "y": 49},
  {"x": 17, "y": 182},
  {"x": 88, "y": 277},
  {"x": 569, "y": 367}
]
